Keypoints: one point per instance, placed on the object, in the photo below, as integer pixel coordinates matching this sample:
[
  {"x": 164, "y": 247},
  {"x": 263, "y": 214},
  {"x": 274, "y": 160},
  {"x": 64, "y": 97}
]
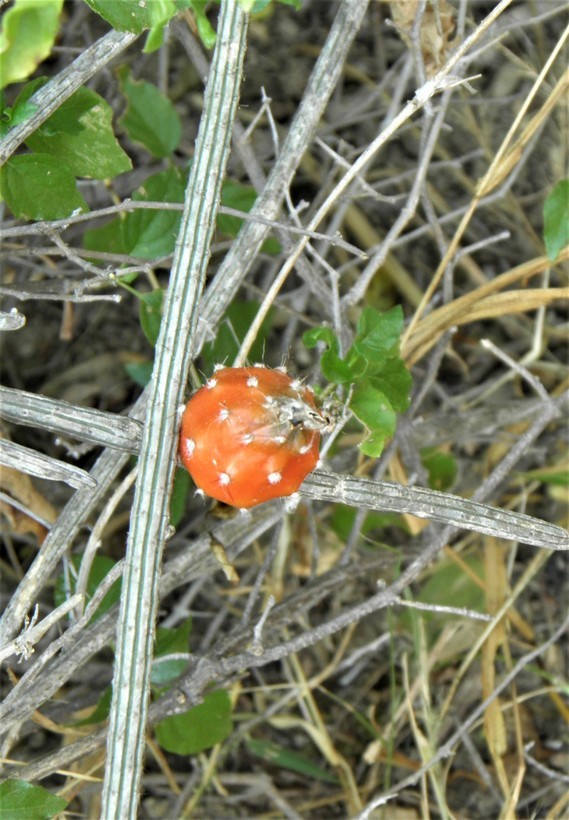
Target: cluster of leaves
[
  {"x": 192, "y": 731},
  {"x": 78, "y": 140},
  {"x": 131, "y": 16},
  {"x": 372, "y": 370}
]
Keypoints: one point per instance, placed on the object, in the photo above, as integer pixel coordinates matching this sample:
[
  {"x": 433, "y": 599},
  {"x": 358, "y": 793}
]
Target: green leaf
[
  {"x": 22, "y": 113},
  {"x": 150, "y": 117},
  {"x": 132, "y": 15},
  {"x": 151, "y": 234},
  {"x": 326, "y": 335},
  {"x": 372, "y": 407},
  {"x": 381, "y": 382},
  {"x": 107, "y": 239},
  {"x": 335, "y": 369},
  {"x": 232, "y": 330},
  {"x": 28, "y": 90},
  {"x": 154, "y": 39},
  {"x": 81, "y": 133},
  {"x": 22, "y": 108},
  {"x": 38, "y": 186},
  {"x": 285, "y": 759},
  {"x": 378, "y": 334},
  {"x": 67, "y": 118},
  {"x": 240, "y": 197},
  {"x": 20, "y": 800},
  {"x": 441, "y": 467},
  {"x": 165, "y": 669},
  {"x": 394, "y": 380},
  {"x": 198, "y": 729},
  {"x": 100, "y": 567},
  {"x": 29, "y": 29},
  {"x": 151, "y": 313},
  {"x": 140, "y": 373},
  {"x": 205, "y": 30},
  {"x": 556, "y": 219},
  {"x": 179, "y": 496},
  {"x": 372, "y": 445}
]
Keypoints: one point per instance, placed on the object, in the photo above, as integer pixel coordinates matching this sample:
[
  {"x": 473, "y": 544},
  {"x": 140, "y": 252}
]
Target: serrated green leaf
[
  {"x": 151, "y": 313},
  {"x": 151, "y": 234},
  {"x": 556, "y": 219},
  {"x": 38, "y": 186},
  {"x": 134, "y": 15},
  {"x": 100, "y": 567},
  {"x": 198, "y": 729},
  {"x": 92, "y": 151},
  {"x": 29, "y": 29},
  {"x": 20, "y": 800},
  {"x": 150, "y": 117}
]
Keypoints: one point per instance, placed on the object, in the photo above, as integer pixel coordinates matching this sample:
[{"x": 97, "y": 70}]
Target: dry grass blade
[{"x": 483, "y": 302}]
